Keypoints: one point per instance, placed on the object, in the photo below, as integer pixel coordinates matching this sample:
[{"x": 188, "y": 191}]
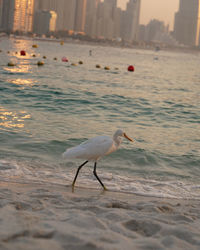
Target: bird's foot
[
  {"x": 72, "y": 187},
  {"x": 105, "y": 189}
]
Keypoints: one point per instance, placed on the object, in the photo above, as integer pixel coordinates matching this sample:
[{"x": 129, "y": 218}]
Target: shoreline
[
  {"x": 93, "y": 190},
  {"x": 107, "y": 44}
]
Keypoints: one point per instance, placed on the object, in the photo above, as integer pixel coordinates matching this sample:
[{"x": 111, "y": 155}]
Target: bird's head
[{"x": 119, "y": 134}]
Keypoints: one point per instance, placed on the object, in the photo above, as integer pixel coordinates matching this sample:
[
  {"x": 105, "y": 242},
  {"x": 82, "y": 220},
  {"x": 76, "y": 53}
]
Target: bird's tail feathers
[
  {"x": 68, "y": 154},
  {"x": 72, "y": 153}
]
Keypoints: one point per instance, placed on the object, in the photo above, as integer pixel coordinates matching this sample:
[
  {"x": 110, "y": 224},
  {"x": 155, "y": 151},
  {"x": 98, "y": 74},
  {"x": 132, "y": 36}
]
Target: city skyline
[
  {"x": 106, "y": 20},
  {"x": 156, "y": 9}
]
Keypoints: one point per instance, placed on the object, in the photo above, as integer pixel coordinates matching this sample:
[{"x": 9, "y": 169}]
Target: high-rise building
[
  {"x": 69, "y": 14},
  {"x": 91, "y": 17},
  {"x": 80, "y": 15},
  {"x": 187, "y": 22},
  {"x": 1, "y": 12},
  {"x": 65, "y": 10},
  {"x": 17, "y": 15},
  {"x": 117, "y": 17},
  {"x": 7, "y": 15},
  {"x": 44, "y": 21},
  {"x": 23, "y": 15},
  {"x": 153, "y": 28},
  {"x": 130, "y": 21},
  {"x": 106, "y": 14}
]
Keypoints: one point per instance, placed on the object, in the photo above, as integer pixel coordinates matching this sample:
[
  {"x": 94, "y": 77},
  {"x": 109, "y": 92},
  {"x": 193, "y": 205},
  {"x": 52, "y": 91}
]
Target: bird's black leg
[
  {"x": 78, "y": 172},
  {"x": 95, "y": 174}
]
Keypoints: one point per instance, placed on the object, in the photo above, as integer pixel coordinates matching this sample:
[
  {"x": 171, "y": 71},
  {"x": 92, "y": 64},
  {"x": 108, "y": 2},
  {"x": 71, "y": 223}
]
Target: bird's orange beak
[{"x": 126, "y": 136}]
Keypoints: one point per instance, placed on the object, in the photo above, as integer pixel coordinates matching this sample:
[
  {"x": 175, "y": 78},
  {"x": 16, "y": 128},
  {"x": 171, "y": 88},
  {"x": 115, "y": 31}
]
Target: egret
[{"x": 94, "y": 149}]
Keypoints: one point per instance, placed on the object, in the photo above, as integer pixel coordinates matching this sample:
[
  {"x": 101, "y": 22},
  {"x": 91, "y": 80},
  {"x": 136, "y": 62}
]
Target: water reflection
[
  {"x": 12, "y": 119},
  {"x": 21, "y": 68},
  {"x": 23, "y": 63},
  {"x": 19, "y": 45},
  {"x": 23, "y": 82}
]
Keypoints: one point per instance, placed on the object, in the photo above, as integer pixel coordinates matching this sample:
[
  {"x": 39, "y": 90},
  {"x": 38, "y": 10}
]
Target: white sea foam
[{"x": 21, "y": 172}]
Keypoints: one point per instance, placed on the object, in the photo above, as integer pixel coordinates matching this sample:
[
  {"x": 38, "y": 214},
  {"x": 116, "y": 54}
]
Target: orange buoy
[
  {"x": 131, "y": 68},
  {"x": 11, "y": 64},
  {"x": 40, "y": 63},
  {"x": 22, "y": 52}
]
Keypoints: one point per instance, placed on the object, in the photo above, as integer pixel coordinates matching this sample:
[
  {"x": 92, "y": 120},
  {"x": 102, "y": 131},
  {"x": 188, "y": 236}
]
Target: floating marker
[
  {"x": 80, "y": 62},
  {"x": 64, "y": 59},
  {"x": 40, "y": 63},
  {"x": 98, "y": 66},
  {"x": 11, "y": 64},
  {"x": 107, "y": 68},
  {"x": 131, "y": 68},
  {"x": 34, "y": 46},
  {"x": 22, "y": 52}
]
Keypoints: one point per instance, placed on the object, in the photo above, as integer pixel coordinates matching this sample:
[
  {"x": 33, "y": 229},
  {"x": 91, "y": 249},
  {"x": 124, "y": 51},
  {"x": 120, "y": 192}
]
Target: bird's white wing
[{"x": 91, "y": 149}]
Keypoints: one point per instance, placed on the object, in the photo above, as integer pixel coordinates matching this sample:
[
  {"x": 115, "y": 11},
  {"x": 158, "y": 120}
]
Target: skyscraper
[
  {"x": 65, "y": 10},
  {"x": 187, "y": 22},
  {"x": 80, "y": 15},
  {"x": 69, "y": 14},
  {"x": 106, "y": 19},
  {"x": 1, "y": 9},
  {"x": 7, "y": 15},
  {"x": 17, "y": 15},
  {"x": 91, "y": 17},
  {"x": 44, "y": 21},
  {"x": 23, "y": 15},
  {"x": 130, "y": 22}
]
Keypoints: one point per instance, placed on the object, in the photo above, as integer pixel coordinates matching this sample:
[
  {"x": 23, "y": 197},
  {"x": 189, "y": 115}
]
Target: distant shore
[{"x": 110, "y": 43}]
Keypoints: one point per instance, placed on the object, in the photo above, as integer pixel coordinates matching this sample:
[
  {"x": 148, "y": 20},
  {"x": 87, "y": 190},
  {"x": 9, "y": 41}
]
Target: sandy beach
[{"x": 37, "y": 216}]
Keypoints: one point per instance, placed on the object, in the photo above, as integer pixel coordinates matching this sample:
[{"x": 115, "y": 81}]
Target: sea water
[{"x": 46, "y": 109}]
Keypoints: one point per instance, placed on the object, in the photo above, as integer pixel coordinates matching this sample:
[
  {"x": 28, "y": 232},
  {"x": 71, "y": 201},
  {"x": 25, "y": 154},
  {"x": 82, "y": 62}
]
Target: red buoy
[
  {"x": 22, "y": 52},
  {"x": 64, "y": 59},
  {"x": 131, "y": 68}
]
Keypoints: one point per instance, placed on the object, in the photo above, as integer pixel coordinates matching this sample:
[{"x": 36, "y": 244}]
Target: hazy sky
[{"x": 162, "y": 10}]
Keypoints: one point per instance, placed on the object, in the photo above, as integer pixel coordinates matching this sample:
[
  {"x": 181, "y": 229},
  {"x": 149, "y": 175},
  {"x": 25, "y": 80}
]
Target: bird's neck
[{"x": 117, "y": 141}]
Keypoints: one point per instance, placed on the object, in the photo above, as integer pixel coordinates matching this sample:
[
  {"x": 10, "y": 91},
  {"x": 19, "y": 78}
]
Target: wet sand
[{"x": 36, "y": 216}]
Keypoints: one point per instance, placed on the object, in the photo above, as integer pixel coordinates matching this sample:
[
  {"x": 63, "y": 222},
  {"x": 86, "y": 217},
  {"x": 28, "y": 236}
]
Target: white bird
[{"x": 94, "y": 149}]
